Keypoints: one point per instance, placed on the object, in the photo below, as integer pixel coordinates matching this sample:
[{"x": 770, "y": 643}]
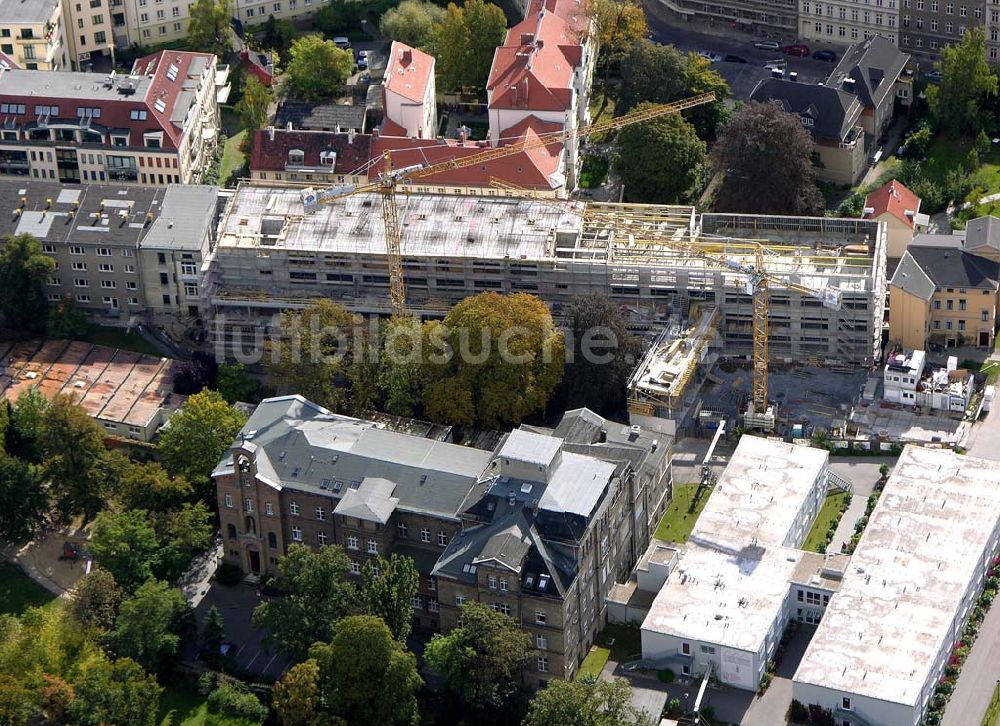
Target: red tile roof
[
  {"x": 895, "y": 199},
  {"x": 533, "y": 169},
  {"x": 352, "y": 149},
  {"x": 10, "y": 62},
  {"x": 168, "y": 86},
  {"x": 408, "y": 72}
]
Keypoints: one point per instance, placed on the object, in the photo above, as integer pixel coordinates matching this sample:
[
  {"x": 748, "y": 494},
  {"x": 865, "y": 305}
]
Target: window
[
  {"x": 293, "y": 508},
  {"x": 442, "y": 539},
  {"x": 433, "y": 606},
  {"x": 425, "y": 534},
  {"x": 493, "y": 582},
  {"x": 229, "y": 501},
  {"x": 231, "y": 531},
  {"x": 352, "y": 542},
  {"x": 80, "y": 282},
  {"x": 985, "y": 316},
  {"x": 541, "y": 642},
  {"x": 540, "y": 617},
  {"x": 297, "y": 534},
  {"x": 355, "y": 568},
  {"x": 75, "y": 250},
  {"x": 401, "y": 529},
  {"x": 83, "y": 298},
  {"x": 499, "y": 607},
  {"x": 950, "y": 304},
  {"x": 105, "y": 267},
  {"x": 961, "y": 304},
  {"x": 108, "y": 284},
  {"x": 79, "y": 266},
  {"x": 320, "y": 514},
  {"x": 543, "y": 664},
  {"x": 417, "y": 602},
  {"x": 249, "y": 505},
  {"x": 961, "y": 325},
  {"x": 272, "y": 540},
  {"x": 503, "y": 584},
  {"x": 269, "y": 509},
  {"x": 846, "y": 703},
  {"x": 321, "y": 536},
  {"x": 686, "y": 648},
  {"x": 372, "y": 546},
  {"x": 708, "y": 649},
  {"x": 460, "y": 600}
]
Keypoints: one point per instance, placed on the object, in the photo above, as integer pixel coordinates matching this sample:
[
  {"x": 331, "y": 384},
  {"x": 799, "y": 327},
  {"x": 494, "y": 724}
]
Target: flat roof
[
  {"x": 27, "y": 11},
  {"x": 77, "y": 85},
  {"x": 900, "y": 596}
]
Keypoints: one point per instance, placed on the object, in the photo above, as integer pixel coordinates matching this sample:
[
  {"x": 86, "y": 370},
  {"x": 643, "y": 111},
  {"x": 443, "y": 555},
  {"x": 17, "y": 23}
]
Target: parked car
[
  {"x": 342, "y": 42},
  {"x": 710, "y": 56},
  {"x": 734, "y": 59},
  {"x": 775, "y": 65},
  {"x": 362, "y": 60},
  {"x": 825, "y": 55},
  {"x": 933, "y": 77},
  {"x": 767, "y": 45},
  {"x": 796, "y": 49}
]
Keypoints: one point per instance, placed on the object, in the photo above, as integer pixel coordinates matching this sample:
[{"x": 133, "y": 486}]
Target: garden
[{"x": 682, "y": 513}]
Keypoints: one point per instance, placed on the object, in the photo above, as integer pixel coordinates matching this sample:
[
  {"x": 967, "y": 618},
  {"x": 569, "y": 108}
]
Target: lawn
[
  {"x": 824, "y": 520},
  {"x": 946, "y": 153},
  {"x": 118, "y": 338},
  {"x": 992, "y": 717},
  {"x": 677, "y": 521},
  {"x": 18, "y": 592},
  {"x": 602, "y": 108},
  {"x": 180, "y": 707},
  {"x": 232, "y": 156},
  {"x": 593, "y": 171},
  {"x": 619, "y": 643}
]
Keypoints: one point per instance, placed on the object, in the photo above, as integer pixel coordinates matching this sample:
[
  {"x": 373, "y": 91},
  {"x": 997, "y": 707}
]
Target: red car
[{"x": 800, "y": 50}]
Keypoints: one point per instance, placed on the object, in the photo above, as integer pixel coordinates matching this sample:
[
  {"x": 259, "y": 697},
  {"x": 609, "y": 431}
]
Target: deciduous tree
[
  {"x": 23, "y": 498},
  {"x": 66, "y": 320},
  {"x": 317, "y": 68},
  {"x": 660, "y": 160},
  {"x": 585, "y": 702},
  {"x": 182, "y": 533},
  {"x": 617, "y": 25},
  {"x": 464, "y": 43},
  {"x": 296, "y": 695},
  {"x": 278, "y": 36},
  {"x": 75, "y": 458},
  {"x": 387, "y": 591},
  {"x": 412, "y": 22},
  {"x": 209, "y": 28},
  {"x": 96, "y": 599},
  {"x": 967, "y": 82},
  {"x": 318, "y": 594},
  {"x": 149, "y": 625},
  {"x": 24, "y": 270},
  {"x": 765, "y": 156},
  {"x": 118, "y": 692},
  {"x": 252, "y": 108},
  {"x": 235, "y": 383},
  {"x": 481, "y": 661},
  {"x": 25, "y": 421},
  {"x": 125, "y": 544},
  {"x": 366, "y": 676},
  {"x": 149, "y": 486}
]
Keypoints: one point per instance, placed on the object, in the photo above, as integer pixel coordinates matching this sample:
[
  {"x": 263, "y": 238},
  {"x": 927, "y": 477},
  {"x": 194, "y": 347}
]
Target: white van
[{"x": 342, "y": 42}]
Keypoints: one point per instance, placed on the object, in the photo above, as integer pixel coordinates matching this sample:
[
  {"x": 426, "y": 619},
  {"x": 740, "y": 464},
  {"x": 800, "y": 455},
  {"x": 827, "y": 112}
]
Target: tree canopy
[
  {"x": 617, "y": 24},
  {"x": 66, "y": 320},
  {"x": 296, "y": 698},
  {"x": 585, "y": 702},
  {"x": 149, "y": 625},
  {"x": 464, "y": 42},
  {"x": 96, "y": 599},
  {"x": 387, "y": 591},
  {"x": 118, "y": 692},
  {"x": 967, "y": 82},
  {"x": 412, "y": 22},
  {"x": 23, "y": 498},
  {"x": 765, "y": 156},
  {"x": 209, "y": 28},
  {"x": 24, "y": 270},
  {"x": 76, "y": 461},
  {"x": 318, "y": 595},
  {"x": 660, "y": 160},
  {"x": 126, "y": 545},
  {"x": 317, "y": 68},
  {"x": 252, "y": 107}
]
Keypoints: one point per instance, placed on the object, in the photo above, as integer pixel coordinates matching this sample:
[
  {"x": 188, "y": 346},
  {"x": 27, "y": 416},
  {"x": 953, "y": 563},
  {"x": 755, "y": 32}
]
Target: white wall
[{"x": 873, "y": 711}]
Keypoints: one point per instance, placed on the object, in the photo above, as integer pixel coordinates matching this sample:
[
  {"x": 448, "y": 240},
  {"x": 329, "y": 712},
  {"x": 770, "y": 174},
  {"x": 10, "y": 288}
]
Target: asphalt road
[{"x": 741, "y": 77}]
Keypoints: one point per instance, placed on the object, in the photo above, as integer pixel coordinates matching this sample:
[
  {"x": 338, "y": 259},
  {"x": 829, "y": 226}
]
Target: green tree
[
  {"x": 75, "y": 458},
  {"x": 213, "y": 632},
  {"x": 481, "y": 661},
  {"x": 660, "y": 160},
  {"x": 25, "y": 421},
  {"x": 198, "y": 436},
  {"x": 24, "y": 270},
  {"x": 126, "y": 545},
  {"x": 209, "y": 28},
  {"x": 118, "y": 692},
  {"x": 506, "y": 359},
  {"x": 149, "y": 486},
  {"x": 318, "y": 594},
  {"x": 96, "y": 599},
  {"x": 365, "y": 675},
  {"x": 387, "y": 591},
  {"x": 764, "y": 149},
  {"x": 967, "y": 82},
  {"x": 317, "y": 68},
  {"x": 585, "y": 702},
  {"x": 412, "y": 22},
  {"x": 66, "y": 320},
  {"x": 314, "y": 353},
  {"x": 617, "y": 25},
  {"x": 662, "y": 74},
  {"x": 18, "y": 703},
  {"x": 604, "y": 354},
  {"x": 252, "y": 108},
  {"x": 23, "y": 499},
  {"x": 278, "y": 35},
  {"x": 182, "y": 534},
  {"x": 235, "y": 383},
  {"x": 296, "y": 696},
  {"x": 336, "y": 15},
  {"x": 464, "y": 42},
  {"x": 149, "y": 625}
]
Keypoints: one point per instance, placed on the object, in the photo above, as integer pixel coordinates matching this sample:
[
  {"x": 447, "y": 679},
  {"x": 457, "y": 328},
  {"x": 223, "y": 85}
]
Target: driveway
[
  {"x": 863, "y": 474},
  {"x": 40, "y": 558}
]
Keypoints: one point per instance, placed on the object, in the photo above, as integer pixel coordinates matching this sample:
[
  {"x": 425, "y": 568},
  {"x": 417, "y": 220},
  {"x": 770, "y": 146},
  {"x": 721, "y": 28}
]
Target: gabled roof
[
  {"x": 874, "y": 65},
  {"x": 174, "y": 77},
  {"x": 372, "y": 501},
  {"x": 271, "y": 154},
  {"x": 320, "y": 117},
  {"x": 833, "y": 112},
  {"x": 983, "y": 233},
  {"x": 409, "y": 72},
  {"x": 910, "y": 278},
  {"x": 895, "y": 199},
  {"x": 952, "y": 267}
]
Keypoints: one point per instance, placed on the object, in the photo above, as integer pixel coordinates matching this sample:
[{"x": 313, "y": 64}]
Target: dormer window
[
  {"x": 327, "y": 158},
  {"x": 296, "y": 156},
  {"x": 120, "y": 140},
  {"x": 153, "y": 140},
  {"x": 807, "y": 121}
]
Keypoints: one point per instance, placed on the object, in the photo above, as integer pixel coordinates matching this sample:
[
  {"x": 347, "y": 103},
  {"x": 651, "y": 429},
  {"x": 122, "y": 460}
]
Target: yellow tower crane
[
  {"x": 758, "y": 279},
  {"x": 389, "y": 179}
]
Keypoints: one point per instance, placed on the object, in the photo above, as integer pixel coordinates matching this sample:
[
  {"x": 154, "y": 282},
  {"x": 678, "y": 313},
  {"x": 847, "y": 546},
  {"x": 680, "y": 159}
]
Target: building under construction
[{"x": 651, "y": 259}]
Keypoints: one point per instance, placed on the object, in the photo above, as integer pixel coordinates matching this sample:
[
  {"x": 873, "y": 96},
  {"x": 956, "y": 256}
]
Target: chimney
[
  {"x": 375, "y": 132},
  {"x": 350, "y": 136},
  {"x": 288, "y": 126},
  {"x": 603, "y": 436},
  {"x": 407, "y": 57},
  {"x": 462, "y": 135},
  {"x": 270, "y": 133},
  {"x": 527, "y": 38},
  {"x": 848, "y": 85}
]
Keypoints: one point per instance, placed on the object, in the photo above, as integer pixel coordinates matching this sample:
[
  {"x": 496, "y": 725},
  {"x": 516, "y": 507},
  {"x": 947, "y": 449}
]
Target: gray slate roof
[
  {"x": 911, "y": 279},
  {"x": 834, "y": 112},
  {"x": 874, "y": 65},
  {"x": 983, "y": 232},
  {"x": 950, "y": 267},
  {"x": 27, "y": 11},
  {"x": 325, "y": 117},
  {"x": 187, "y": 215}
]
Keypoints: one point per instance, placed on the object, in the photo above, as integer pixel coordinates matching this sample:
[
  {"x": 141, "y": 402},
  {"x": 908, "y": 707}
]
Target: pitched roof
[
  {"x": 271, "y": 154},
  {"x": 174, "y": 80},
  {"x": 833, "y": 112},
  {"x": 409, "y": 72},
  {"x": 874, "y": 65},
  {"x": 982, "y": 232},
  {"x": 952, "y": 267},
  {"x": 320, "y": 117},
  {"x": 371, "y": 501},
  {"x": 895, "y": 199},
  {"x": 910, "y": 278}
]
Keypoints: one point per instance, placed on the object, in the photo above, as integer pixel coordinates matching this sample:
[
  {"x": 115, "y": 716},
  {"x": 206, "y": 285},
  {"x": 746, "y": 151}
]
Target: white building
[
  {"x": 903, "y": 371},
  {"x": 726, "y": 602},
  {"x": 408, "y": 93},
  {"x": 876, "y": 657},
  {"x": 908, "y": 382}
]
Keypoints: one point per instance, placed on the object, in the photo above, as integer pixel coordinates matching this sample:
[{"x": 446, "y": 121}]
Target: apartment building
[
  {"x": 409, "y": 95},
  {"x": 312, "y": 157},
  {"x": 123, "y": 253},
  {"x": 945, "y": 289},
  {"x": 991, "y": 17},
  {"x": 844, "y": 21},
  {"x": 927, "y": 26},
  {"x": 89, "y": 31},
  {"x": 454, "y": 246},
  {"x": 751, "y": 16},
  {"x": 33, "y": 34},
  {"x": 157, "y": 126},
  {"x": 894, "y": 204},
  {"x": 538, "y": 529}
]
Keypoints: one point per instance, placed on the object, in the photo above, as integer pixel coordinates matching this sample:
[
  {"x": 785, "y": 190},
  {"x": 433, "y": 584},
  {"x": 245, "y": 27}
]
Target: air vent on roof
[
  {"x": 423, "y": 478},
  {"x": 296, "y": 470},
  {"x": 526, "y": 488}
]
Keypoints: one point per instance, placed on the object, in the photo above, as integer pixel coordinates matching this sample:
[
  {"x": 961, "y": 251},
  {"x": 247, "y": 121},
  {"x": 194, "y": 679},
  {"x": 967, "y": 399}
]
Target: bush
[
  {"x": 798, "y": 712},
  {"x": 228, "y": 574},
  {"x": 235, "y": 699},
  {"x": 674, "y": 706},
  {"x": 665, "y": 676}
]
